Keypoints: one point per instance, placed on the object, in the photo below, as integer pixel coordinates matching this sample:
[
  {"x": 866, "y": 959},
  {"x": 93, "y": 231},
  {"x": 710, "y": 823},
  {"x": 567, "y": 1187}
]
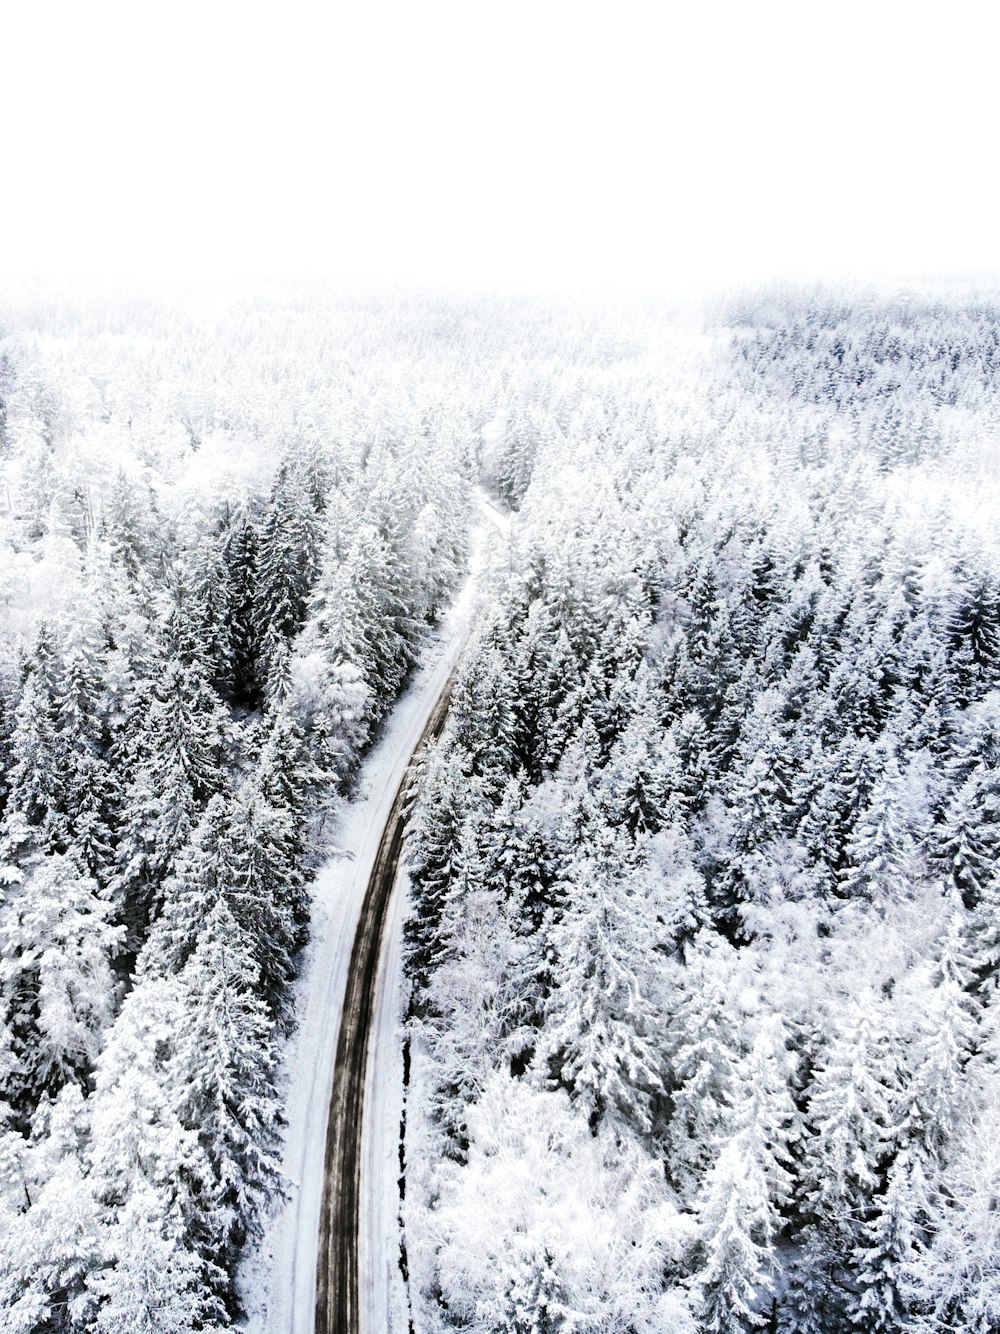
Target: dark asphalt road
[{"x": 337, "y": 1277}]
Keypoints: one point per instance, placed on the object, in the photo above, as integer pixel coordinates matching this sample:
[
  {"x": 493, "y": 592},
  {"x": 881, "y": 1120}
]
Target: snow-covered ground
[{"x": 278, "y": 1277}]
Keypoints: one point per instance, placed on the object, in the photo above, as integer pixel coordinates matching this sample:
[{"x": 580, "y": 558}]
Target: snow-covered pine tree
[
  {"x": 264, "y": 885},
  {"x": 446, "y": 797},
  {"x": 969, "y": 838},
  {"x": 57, "y": 984},
  {"x": 602, "y": 1014},
  {"x": 703, "y": 1051},
  {"x": 240, "y": 553},
  {"x": 138, "y": 1144},
  {"x": 844, "y": 1156},
  {"x": 881, "y": 861},
  {"x": 222, "y": 1088},
  {"x": 148, "y": 1280},
  {"x": 178, "y": 768},
  {"x": 36, "y": 796},
  {"x": 733, "y": 1257},
  {"x": 888, "y": 1250}
]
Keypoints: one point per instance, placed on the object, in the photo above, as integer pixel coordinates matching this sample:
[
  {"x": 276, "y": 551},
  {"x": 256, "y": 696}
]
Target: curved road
[
  {"x": 337, "y": 1271},
  {"x": 338, "y": 1281}
]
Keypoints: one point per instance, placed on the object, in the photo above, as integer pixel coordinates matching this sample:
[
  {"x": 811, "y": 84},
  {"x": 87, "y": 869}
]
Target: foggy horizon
[{"x": 559, "y": 149}]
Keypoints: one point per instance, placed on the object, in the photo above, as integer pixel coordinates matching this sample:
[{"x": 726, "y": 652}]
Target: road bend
[{"x": 338, "y": 1283}]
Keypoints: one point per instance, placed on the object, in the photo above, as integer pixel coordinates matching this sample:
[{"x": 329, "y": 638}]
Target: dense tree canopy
[
  {"x": 704, "y": 942},
  {"x": 214, "y": 582},
  {"x": 740, "y": 664}
]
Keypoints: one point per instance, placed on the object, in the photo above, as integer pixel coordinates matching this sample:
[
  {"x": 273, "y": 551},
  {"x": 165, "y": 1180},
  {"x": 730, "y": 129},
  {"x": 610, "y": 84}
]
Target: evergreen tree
[
  {"x": 703, "y": 1060},
  {"x": 642, "y": 780},
  {"x": 150, "y": 1282},
  {"x": 208, "y": 577},
  {"x": 223, "y": 1084},
  {"x": 481, "y": 997},
  {"x": 969, "y": 839},
  {"x": 535, "y": 1301},
  {"x": 844, "y": 1159},
  {"x": 841, "y": 794},
  {"x": 734, "y": 1257},
  {"x": 886, "y": 1253},
  {"x": 265, "y": 885},
  {"x": 56, "y": 980},
  {"x": 482, "y": 715},
  {"x": 935, "y": 1099},
  {"x": 87, "y": 792},
  {"x": 601, "y": 1017},
  {"x": 54, "y": 1244},
  {"x": 36, "y": 796},
  {"x": 138, "y": 1146},
  {"x": 287, "y": 562},
  {"x": 179, "y": 767},
  {"x": 880, "y": 855},
  {"x": 974, "y": 635},
  {"x": 199, "y": 881},
  {"x": 954, "y": 1283},
  {"x": 128, "y": 526},
  {"x": 433, "y": 839},
  {"x": 240, "y": 554}
]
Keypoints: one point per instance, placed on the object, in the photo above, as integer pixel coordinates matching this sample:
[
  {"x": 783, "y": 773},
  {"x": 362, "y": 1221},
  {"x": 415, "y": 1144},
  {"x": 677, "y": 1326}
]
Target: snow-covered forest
[
  {"x": 223, "y": 534},
  {"x": 705, "y": 927},
  {"x": 703, "y": 952}
]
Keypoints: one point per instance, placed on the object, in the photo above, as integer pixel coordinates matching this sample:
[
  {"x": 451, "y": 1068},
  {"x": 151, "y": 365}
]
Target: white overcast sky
[{"x": 524, "y": 144}]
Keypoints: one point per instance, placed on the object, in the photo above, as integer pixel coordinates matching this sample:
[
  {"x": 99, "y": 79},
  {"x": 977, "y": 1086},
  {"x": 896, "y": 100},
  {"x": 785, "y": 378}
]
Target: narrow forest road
[
  {"x": 347, "y": 994},
  {"x": 344, "y": 1296},
  {"x": 338, "y": 1307}
]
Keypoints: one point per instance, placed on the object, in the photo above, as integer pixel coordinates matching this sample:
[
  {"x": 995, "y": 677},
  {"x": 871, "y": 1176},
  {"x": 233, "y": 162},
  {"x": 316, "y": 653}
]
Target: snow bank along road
[{"x": 343, "y": 999}]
